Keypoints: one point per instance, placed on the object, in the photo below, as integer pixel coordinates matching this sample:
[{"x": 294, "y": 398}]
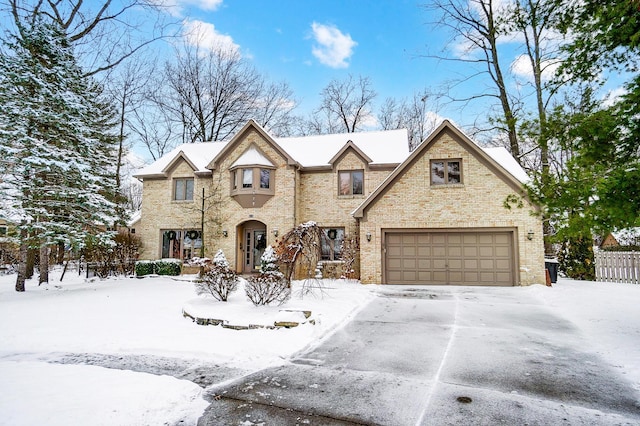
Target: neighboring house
[
  {"x": 629, "y": 237},
  {"x": 436, "y": 215}
]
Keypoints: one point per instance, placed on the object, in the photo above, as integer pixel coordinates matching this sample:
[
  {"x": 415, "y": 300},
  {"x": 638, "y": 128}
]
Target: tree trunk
[
  {"x": 30, "y": 263},
  {"x": 43, "y": 277},
  {"x": 22, "y": 262}
]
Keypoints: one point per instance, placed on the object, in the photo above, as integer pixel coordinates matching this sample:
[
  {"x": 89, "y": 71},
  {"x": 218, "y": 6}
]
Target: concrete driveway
[{"x": 438, "y": 356}]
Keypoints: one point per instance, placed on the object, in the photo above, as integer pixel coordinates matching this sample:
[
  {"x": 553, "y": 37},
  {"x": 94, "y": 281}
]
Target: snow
[
  {"x": 130, "y": 317},
  {"x": 382, "y": 147},
  {"x": 200, "y": 154},
  {"x": 506, "y": 160}
]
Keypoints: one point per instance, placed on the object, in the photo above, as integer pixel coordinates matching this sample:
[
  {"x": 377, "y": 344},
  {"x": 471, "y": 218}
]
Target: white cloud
[
  {"x": 204, "y": 35},
  {"x": 333, "y": 48},
  {"x": 613, "y": 96},
  {"x": 176, "y": 7},
  {"x": 521, "y": 67}
]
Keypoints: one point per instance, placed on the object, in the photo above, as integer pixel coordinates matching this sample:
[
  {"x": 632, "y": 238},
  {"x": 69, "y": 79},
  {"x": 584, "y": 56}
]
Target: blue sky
[{"x": 309, "y": 43}]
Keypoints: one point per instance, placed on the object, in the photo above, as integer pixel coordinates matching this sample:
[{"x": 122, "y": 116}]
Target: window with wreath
[
  {"x": 331, "y": 244},
  {"x": 183, "y": 189},
  {"x": 446, "y": 172},
  {"x": 351, "y": 182},
  {"x": 181, "y": 243}
]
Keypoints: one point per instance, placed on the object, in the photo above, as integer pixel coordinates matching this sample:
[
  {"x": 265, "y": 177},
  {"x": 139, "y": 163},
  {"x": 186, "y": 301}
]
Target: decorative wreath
[
  {"x": 192, "y": 235},
  {"x": 171, "y": 235}
]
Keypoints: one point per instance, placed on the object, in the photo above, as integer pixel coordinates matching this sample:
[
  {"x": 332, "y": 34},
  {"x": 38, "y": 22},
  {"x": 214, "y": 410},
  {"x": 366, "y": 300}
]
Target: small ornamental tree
[
  {"x": 271, "y": 285},
  {"x": 218, "y": 279}
]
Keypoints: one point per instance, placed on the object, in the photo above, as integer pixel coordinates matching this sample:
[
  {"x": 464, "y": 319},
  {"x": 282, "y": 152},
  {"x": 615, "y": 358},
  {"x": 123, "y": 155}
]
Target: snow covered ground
[
  {"x": 135, "y": 326},
  {"x": 139, "y": 323}
]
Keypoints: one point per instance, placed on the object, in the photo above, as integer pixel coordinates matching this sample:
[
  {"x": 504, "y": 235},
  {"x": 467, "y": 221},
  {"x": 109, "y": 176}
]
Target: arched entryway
[{"x": 252, "y": 236}]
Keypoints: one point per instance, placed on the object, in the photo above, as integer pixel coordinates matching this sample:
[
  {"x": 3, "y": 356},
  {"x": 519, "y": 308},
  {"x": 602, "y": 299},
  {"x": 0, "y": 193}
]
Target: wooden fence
[{"x": 618, "y": 266}]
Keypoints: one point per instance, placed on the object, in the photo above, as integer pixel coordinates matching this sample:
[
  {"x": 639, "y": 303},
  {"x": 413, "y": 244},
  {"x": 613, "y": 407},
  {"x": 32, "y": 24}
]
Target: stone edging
[{"x": 225, "y": 324}]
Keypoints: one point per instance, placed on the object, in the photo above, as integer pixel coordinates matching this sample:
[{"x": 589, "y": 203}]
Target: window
[
  {"x": 265, "y": 178},
  {"x": 3, "y": 231},
  {"x": 446, "y": 172},
  {"x": 252, "y": 186},
  {"x": 247, "y": 178},
  {"x": 331, "y": 245},
  {"x": 183, "y": 189},
  {"x": 351, "y": 182}
]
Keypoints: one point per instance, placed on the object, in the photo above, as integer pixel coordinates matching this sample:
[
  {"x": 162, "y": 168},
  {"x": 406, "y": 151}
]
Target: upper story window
[
  {"x": 351, "y": 182},
  {"x": 250, "y": 178},
  {"x": 446, "y": 172},
  {"x": 183, "y": 189},
  {"x": 252, "y": 186}
]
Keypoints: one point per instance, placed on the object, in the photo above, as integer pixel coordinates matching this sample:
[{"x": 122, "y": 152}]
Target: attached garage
[{"x": 449, "y": 257}]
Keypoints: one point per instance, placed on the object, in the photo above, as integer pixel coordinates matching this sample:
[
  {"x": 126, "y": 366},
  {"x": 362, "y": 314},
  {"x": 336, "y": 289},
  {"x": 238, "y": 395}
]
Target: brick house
[{"x": 436, "y": 215}]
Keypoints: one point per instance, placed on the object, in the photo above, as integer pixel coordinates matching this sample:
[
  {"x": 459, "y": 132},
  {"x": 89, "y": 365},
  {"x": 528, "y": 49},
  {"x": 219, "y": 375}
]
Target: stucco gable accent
[
  {"x": 349, "y": 146},
  {"x": 251, "y": 125},
  {"x": 459, "y": 137},
  {"x": 253, "y": 156}
]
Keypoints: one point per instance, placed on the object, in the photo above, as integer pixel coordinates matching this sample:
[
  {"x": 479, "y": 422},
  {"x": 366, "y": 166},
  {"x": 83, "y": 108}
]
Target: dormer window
[
  {"x": 183, "y": 189},
  {"x": 351, "y": 182}
]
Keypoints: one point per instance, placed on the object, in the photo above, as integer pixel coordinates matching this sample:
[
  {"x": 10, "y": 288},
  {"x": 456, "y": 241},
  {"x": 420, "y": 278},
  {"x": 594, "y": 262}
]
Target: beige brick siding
[
  {"x": 478, "y": 203},
  {"x": 410, "y": 202}
]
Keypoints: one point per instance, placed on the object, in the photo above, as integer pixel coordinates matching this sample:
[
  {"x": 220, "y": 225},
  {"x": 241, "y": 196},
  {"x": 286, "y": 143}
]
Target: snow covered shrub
[
  {"x": 218, "y": 279},
  {"x": 172, "y": 267},
  {"x": 271, "y": 285},
  {"x": 145, "y": 267}
]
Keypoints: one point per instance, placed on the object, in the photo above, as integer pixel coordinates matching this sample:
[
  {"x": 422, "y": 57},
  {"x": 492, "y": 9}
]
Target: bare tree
[
  {"x": 104, "y": 33},
  {"x": 211, "y": 93},
  {"x": 346, "y": 104},
  {"x": 411, "y": 114},
  {"x": 475, "y": 27}
]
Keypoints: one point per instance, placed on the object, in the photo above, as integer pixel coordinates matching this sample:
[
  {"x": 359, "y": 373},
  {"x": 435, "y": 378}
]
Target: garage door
[{"x": 456, "y": 258}]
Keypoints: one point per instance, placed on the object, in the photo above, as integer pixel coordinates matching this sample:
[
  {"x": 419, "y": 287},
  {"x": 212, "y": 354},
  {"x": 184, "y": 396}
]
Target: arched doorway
[{"x": 253, "y": 242}]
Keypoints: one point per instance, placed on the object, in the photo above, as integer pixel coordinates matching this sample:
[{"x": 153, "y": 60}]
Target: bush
[
  {"x": 271, "y": 285},
  {"x": 172, "y": 267},
  {"x": 576, "y": 259},
  {"x": 218, "y": 279},
  {"x": 112, "y": 253},
  {"x": 145, "y": 267}
]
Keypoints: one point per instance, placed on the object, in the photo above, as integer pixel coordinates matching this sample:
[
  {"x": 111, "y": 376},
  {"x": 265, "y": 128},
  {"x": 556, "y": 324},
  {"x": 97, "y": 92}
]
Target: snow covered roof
[
  {"x": 388, "y": 147},
  {"x": 252, "y": 157},
  {"x": 503, "y": 157},
  {"x": 197, "y": 154},
  {"x": 382, "y": 147},
  {"x": 628, "y": 236}
]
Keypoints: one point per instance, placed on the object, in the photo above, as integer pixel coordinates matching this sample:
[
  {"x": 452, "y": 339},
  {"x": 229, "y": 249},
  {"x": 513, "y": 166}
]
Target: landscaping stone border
[{"x": 225, "y": 324}]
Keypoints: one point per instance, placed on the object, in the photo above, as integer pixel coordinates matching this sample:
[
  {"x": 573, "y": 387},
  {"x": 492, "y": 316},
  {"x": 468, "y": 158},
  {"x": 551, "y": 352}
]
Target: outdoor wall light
[
  {"x": 275, "y": 232},
  {"x": 530, "y": 235},
  {"x": 368, "y": 235},
  {"x": 225, "y": 233}
]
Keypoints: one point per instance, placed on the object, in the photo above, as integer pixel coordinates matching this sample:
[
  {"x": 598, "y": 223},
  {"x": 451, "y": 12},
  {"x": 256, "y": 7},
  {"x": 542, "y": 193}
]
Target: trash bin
[{"x": 552, "y": 266}]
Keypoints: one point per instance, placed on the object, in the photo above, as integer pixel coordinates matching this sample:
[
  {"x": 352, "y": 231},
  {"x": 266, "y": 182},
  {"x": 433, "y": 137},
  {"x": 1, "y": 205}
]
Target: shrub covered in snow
[
  {"x": 218, "y": 279},
  {"x": 171, "y": 267},
  {"x": 271, "y": 286}
]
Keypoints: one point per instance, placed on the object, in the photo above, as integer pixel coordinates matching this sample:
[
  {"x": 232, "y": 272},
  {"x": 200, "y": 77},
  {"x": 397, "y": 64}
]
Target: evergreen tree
[{"x": 56, "y": 140}]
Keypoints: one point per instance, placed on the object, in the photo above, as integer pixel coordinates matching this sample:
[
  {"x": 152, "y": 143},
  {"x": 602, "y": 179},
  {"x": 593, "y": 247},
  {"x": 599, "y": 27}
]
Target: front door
[{"x": 255, "y": 242}]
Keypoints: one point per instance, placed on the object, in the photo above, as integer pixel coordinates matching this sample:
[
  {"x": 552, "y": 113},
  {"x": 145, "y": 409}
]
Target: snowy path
[{"x": 440, "y": 356}]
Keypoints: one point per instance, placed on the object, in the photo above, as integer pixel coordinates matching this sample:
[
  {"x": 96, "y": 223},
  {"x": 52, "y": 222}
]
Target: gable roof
[
  {"x": 384, "y": 147},
  {"x": 466, "y": 142},
  {"x": 197, "y": 155},
  {"x": 251, "y": 125}
]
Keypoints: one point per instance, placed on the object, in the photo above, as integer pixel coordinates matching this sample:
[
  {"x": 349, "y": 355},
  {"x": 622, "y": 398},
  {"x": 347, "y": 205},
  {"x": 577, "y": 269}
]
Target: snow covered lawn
[
  {"x": 48, "y": 333},
  {"x": 131, "y": 317}
]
